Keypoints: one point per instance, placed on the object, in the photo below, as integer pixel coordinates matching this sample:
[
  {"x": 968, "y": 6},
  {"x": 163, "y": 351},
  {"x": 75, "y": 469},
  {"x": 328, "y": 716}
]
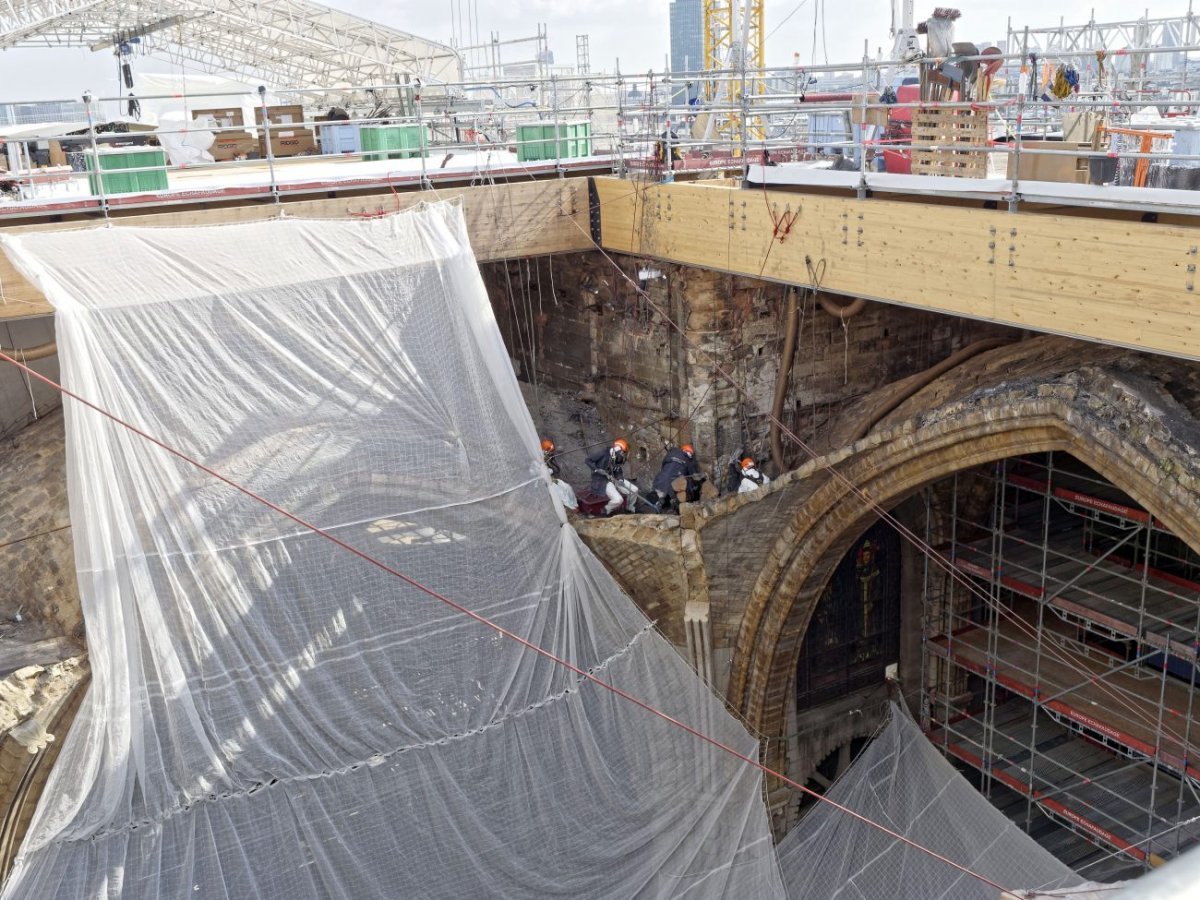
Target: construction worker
[
  {"x": 680, "y": 462},
  {"x": 608, "y": 477},
  {"x": 564, "y": 492},
  {"x": 548, "y": 458},
  {"x": 669, "y": 139},
  {"x": 752, "y": 479}
]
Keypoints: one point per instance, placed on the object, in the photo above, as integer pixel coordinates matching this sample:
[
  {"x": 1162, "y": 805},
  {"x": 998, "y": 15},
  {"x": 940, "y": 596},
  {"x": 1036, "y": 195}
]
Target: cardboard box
[
  {"x": 1061, "y": 168},
  {"x": 225, "y": 118},
  {"x": 292, "y": 114},
  {"x": 290, "y": 142},
  {"x": 231, "y": 145},
  {"x": 286, "y": 141}
]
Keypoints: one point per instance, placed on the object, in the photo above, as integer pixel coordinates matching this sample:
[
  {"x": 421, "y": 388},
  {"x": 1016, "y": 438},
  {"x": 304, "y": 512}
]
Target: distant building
[{"x": 687, "y": 41}]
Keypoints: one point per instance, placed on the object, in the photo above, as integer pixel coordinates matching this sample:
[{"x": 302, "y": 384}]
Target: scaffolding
[
  {"x": 825, "y": 126},
  {"x": 583, "y": 55},
  {"x": 1065, "y": 678},
  {"x": 1116, "y": 40}
]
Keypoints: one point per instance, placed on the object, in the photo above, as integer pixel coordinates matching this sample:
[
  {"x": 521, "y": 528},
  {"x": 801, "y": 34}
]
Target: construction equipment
[
  {"x": 733, "y": 42},
  {"x": 1141, "y": 170},
  {"x": 906, "y": 43},
  {"x": 906, "y": 46}
]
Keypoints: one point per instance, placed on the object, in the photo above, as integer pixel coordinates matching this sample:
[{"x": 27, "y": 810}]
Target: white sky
[{"x": 636, "y": 31}]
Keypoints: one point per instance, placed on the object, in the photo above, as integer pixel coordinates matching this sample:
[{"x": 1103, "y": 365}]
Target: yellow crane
[{"x": 734, "y": 40}]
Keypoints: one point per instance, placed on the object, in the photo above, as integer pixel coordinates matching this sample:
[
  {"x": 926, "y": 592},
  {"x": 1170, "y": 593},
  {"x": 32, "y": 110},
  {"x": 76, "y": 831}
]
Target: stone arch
[{"x": 1116, "y": 424}]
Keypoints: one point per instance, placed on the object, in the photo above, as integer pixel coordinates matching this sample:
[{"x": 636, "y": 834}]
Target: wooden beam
[
  {"x": 1133, "y": 284},
  {"x": 529, "y": 218}
]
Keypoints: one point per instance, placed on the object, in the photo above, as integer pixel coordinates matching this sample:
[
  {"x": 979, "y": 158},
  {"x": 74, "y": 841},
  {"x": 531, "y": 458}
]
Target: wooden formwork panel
[{"x": 1126, "y": 283}]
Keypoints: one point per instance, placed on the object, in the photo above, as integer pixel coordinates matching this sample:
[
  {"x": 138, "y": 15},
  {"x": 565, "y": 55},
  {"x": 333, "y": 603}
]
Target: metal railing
[{"x": 819, "y": 116}]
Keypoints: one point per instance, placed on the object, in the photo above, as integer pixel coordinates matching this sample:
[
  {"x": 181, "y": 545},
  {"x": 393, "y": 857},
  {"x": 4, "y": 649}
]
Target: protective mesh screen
[
  {"x": 271, "y": 716},
  {"x": 902, "y": 781}
]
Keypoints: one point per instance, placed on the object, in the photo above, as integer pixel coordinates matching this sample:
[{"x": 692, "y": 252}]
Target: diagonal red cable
[{"x": 499, "y": 629}]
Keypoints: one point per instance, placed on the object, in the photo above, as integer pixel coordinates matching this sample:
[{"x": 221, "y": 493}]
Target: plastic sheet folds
[
  {"x": 904, "y": 782},
  {"x": 271, "y": 716}
]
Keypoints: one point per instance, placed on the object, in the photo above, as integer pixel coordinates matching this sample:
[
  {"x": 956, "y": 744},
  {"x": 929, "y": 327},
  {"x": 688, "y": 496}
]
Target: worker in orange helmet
[
  {"x": 548, "y": 457},
  {"x": 679, "y": 462},
  {"x": 752, "y": 479},
  {"x": 608, "y": 477},
  {"x": 563, "y": 491}
]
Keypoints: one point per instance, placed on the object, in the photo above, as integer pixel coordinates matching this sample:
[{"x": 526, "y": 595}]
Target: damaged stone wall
[
  {"x": 24, "y": 399},
  {"x": 43, "y": 662},
  {"x": 578, "y": 325},
  {"x": 577, "y": 329},
  {"x": 36, "y": 551}
]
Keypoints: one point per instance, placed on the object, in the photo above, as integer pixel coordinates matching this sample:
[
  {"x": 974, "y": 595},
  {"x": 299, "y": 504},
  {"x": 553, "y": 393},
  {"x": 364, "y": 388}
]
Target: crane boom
[{"x": 734, "y": 38}]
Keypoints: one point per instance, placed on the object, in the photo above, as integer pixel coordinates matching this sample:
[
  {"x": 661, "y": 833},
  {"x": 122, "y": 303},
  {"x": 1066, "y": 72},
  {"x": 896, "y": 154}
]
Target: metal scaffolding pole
[
  {"x": 925, "y": 712},
  {"x": 1041, "y": 620},
  {"x": 1186, "y": 783},
  {"x": 992, "y": 618},
  {"x": 1120, "y": 799},
  {"x": 947, "y": 690}
]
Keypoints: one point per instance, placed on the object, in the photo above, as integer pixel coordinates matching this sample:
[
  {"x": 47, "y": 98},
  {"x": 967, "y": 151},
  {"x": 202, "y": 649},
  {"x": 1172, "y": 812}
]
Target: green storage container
[
  {"x": 536, "y": 141},
  {"x": 393, "y": 141},
  {"x": 113, "y": 164}
]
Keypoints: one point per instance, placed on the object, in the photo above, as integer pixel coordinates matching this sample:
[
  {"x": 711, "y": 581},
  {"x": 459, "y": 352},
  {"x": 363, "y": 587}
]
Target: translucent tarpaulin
[
  {"x": 904, "y": 782},
  {"x": 271, "y": 716}
]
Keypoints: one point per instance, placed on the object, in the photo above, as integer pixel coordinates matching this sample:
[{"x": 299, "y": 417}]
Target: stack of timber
[{"x": 960, "y": 134}]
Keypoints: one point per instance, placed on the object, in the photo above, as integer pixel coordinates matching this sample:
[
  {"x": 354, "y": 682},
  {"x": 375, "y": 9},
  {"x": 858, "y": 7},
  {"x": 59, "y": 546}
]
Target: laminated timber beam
[
  {"x": 527, "y": 218},
  {"x": 1131, "y": 284}
]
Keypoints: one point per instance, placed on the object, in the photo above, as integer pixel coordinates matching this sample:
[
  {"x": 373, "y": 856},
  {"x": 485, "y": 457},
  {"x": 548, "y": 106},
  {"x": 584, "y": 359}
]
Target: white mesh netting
[
  {"x": 271, "y": 716},
  {"x": 903, "y": 781}
]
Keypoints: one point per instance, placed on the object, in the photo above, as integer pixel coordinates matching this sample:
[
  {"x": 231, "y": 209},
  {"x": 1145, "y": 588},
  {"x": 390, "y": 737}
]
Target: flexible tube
[
  {"x": 791, "y": 331},
  {"x": 923, "y": 379},
  {"x": 841, "y": 309},
  {"x": 29, "y": 354}
]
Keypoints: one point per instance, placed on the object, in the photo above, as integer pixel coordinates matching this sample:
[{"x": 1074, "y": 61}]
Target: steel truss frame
[
  {"x": 1180, "y": 31},
  {"x": 283, "y": 43},
  {"x": 1114, "y": 38}
]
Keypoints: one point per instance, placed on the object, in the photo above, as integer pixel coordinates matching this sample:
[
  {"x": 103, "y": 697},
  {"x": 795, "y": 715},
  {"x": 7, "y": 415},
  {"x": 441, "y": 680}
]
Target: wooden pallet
[{"x": 960, "y": 132}]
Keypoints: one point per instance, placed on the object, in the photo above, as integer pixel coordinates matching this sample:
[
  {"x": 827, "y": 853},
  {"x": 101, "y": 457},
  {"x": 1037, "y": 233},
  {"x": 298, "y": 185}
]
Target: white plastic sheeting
[
  {"x": 186, "y": 142},
  {"x": 903, "y": 781},
  {"x": 271, "y": 716}
]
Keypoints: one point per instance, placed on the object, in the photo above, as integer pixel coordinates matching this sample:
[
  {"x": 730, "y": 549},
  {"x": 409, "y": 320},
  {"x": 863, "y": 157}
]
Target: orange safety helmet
[
  {"x": 547, "y": 445},
  {"x": 688, "y": 449},
  {"x": 621, "y": 444},
  {"x": 747, "y": 463}
]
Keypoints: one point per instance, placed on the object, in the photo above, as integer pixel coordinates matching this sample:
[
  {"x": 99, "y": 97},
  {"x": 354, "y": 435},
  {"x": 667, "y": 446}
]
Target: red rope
[{"x": 499, "y": 629}]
